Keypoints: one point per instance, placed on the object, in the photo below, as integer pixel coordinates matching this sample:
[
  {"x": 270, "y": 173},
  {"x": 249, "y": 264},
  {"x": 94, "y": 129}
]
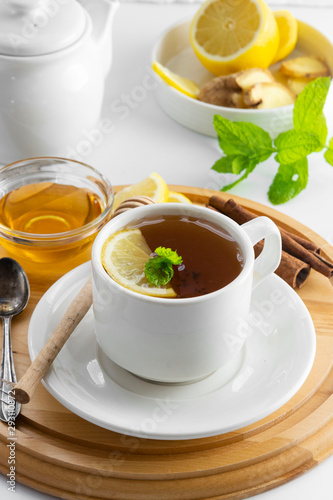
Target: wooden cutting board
[{"x": 63, "y": 455}]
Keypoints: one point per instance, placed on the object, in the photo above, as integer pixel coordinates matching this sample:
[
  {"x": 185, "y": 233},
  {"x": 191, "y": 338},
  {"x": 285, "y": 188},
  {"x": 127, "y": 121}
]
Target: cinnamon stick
[
  {"x": 298, "y": 247},
  {"x": 305, "y": 243},
  {"x": 292, "y": 270},
  {"x": 230, "y": 207}
]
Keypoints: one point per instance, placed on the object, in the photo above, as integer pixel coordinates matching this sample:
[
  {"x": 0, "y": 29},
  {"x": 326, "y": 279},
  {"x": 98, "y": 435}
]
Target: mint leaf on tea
[
  {"x": 289, "y": 181},
  {"x": 158, "y": 269},
  {"x": 170, "y": 255}
]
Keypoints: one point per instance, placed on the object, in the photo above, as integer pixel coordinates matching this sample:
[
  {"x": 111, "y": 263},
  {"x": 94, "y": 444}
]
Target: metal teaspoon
[{"x": 14, "y": 296}]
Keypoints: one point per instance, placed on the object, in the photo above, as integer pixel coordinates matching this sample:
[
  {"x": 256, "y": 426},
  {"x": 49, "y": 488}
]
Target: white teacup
[{"x": 180, "y": 340}]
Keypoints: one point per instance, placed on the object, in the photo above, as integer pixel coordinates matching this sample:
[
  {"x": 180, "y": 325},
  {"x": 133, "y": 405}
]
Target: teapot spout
[{"x": 102, "y": 13}]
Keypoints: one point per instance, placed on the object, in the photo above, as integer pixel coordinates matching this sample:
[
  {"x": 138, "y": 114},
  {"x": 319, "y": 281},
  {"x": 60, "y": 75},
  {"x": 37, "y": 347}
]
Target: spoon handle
[
  {"x": 7, "y": 365},
  {"x": 27, "y": 385},
  {"x": 8, "y": 408}
]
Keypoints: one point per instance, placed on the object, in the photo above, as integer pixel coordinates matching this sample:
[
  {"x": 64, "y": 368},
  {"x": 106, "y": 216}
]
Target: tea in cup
[{"x": 194, "y": 323}]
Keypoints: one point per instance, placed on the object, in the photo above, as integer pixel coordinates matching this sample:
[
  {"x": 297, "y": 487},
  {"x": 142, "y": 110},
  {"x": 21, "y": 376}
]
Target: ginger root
[{"x": 268, "y": 95}]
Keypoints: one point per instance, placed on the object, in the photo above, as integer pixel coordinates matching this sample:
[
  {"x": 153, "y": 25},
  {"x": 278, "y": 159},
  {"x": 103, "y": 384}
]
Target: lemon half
[{"x": 231, "y": 35}]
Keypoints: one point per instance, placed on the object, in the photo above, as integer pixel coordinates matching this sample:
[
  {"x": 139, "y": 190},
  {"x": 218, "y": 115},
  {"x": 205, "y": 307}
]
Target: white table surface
[{"x": 143, "y": 139}]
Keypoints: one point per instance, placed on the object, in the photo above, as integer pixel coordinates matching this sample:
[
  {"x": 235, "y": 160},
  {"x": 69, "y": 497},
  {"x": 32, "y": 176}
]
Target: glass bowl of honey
[{"x": 51, "y": 210}]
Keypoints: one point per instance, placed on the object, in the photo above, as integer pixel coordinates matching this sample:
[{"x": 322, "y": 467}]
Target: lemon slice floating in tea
[
  {"x": 229, "y": 36},
  {"x": 124, "y": 255},
  {"x": 153, "y": 186},
  {"x": 184, "y": 85}
]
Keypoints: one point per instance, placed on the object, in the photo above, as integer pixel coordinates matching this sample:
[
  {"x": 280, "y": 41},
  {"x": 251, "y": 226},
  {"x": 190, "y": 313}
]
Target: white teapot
[{"x": 54, "y": 58}]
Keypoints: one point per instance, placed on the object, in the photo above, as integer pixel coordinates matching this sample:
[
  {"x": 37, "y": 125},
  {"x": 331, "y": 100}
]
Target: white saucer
[{"x": 269, "y": 371}]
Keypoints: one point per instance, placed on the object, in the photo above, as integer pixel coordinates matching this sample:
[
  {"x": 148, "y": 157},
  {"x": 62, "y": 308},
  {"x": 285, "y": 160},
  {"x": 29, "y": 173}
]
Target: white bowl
[{"x": 174, "y": 51}]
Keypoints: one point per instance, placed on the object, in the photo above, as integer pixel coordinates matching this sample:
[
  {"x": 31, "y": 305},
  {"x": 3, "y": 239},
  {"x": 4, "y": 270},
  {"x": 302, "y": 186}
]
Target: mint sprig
[
  {"x": 328, "y": 155},
  {"x": 159, "y": 268},
  {"x": 245, "y": 145}
]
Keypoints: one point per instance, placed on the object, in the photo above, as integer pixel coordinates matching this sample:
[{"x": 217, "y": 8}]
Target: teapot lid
[{"x": 36, "y": 27}]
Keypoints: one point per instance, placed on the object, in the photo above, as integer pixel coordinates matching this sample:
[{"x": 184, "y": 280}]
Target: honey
[
  {"x": 48, "y": 211},
  {"x": 48, "y": 208}
]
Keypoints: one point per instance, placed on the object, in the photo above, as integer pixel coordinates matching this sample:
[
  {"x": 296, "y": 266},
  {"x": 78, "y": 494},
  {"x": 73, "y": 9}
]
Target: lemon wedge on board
[
  {"x": 175, "y": 197},
  {"x": 153, "y": 186}
]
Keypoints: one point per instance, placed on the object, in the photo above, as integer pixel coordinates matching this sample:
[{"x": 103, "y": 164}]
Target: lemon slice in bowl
[
  {"x": 184, "y": 85},
  {"x": 175, "y": 197},
  {"x": 124, "y": 256},
  {"x": 152, "y": 186},
  {"x": 229, "y": 36},
  {"x": 288, "y": 29}
]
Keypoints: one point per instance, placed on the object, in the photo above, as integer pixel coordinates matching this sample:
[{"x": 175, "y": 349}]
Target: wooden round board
[{"x": 63, "y": 455}]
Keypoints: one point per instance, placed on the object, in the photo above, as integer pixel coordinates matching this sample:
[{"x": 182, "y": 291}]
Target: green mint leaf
[
  {"x": 170, "y": 255},
  {"x": 289, "y": 181},
  {"x": 224, "y": 165},
  {"x": 321, "y": 130},
  {"x": 239, "y": 164},
  {"x": 245, "y": 144},
  {"x": 243, "y": 139},
  {"x": 158, "y": 269},
  {"x": 294, "y": 145},
  {"x": 328, "y": 155},
  {"x": 250, "y": 167},
  {"x": 231, "y": 164},
  {"x": 308, "y": 109}
]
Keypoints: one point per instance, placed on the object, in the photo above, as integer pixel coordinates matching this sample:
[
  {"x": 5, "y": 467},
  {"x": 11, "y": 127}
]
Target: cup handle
[{"x": 270, "y": 256}]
